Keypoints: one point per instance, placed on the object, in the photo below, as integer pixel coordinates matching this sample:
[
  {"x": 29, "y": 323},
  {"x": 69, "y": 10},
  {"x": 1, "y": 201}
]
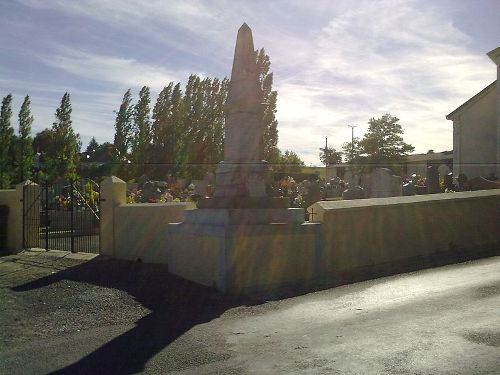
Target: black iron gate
[{"x": 62, "y": 216}]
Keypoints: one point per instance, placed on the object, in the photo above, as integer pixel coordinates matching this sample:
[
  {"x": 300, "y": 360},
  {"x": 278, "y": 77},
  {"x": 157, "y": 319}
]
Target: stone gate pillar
[{"x": 113, "y": 194}]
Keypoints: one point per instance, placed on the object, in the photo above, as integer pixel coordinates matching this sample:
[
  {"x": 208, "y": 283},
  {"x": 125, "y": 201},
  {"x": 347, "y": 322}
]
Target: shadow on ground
[{"x": 176, "y": 306}]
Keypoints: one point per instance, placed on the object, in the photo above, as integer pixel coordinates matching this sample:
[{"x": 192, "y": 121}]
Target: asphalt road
[{"x": 73, "y": 316}]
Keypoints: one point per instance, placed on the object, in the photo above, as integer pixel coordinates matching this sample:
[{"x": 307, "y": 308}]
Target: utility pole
[
  {"x": 326, "y": 151},
  {"x": 352, "y": 149}
]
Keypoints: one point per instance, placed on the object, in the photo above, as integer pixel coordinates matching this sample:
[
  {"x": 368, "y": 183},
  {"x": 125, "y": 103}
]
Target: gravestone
[
  {"x": 408, "y": 188},
  {"x": 356, "y": 192},
  {"x": 381, "y": 183},
  {"x": 433, "y": 180},
  {"x": 443, "y": 171},
  {"x": 314, "y": 192},
  {"x": 150, "y": 192},
  {"x": 448, "y": 181},
  {"x": 200, "y": 187}
]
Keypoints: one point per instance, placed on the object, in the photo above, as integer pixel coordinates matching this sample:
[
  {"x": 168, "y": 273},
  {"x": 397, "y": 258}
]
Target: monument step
[
  {"x": 244, "y": 216},
  {"x": 243, "y": 202}
]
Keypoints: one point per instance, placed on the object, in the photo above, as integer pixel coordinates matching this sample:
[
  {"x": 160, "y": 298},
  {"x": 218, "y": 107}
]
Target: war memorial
[{"x": 242, "y": 240}]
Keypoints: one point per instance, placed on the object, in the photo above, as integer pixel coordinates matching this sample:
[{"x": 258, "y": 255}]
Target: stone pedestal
[{"x": 246, "y": 257}]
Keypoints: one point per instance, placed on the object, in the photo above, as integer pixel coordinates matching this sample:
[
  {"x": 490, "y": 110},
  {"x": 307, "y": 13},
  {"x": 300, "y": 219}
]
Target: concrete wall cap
[{"x": 434, "y": 198}]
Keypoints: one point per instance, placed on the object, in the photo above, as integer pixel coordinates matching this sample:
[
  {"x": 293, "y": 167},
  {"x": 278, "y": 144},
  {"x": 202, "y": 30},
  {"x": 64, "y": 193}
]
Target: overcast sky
[{"x": 335, "y": 62}]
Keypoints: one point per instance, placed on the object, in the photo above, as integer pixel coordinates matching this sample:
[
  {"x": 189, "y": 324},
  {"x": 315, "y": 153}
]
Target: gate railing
[{"x": 68, "y": 217}]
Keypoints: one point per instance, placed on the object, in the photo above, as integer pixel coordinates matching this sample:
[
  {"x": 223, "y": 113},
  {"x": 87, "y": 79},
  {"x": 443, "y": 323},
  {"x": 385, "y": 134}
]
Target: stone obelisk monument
[
  {"x": 242, "y": 177},
  {"x": 236, "y": 240}
]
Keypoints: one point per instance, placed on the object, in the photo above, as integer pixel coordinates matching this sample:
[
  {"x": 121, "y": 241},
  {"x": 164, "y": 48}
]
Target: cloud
[
  {"x": 123, "y": 71},
  {"x": 124, "y": 11},
  {"x": 335, "y": 63},
  {"x": 405, "y": 58}
]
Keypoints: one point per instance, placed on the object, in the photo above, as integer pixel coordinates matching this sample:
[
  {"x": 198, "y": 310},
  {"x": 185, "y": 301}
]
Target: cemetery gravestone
[
  {"x": 433, "y": 180},
  {"x": 382, "y": 183},
  {"x": 448, "y": 181},
  {"x": 200, "y": 187},
  {"x": 356, "y": 192}
]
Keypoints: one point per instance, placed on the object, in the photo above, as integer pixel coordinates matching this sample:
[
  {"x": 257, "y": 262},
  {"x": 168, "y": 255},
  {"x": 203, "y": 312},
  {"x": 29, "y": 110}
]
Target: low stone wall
[
  {"x": 10, "y": 199},
  {"x": 139, "y": 229},
  {"x": 360, "y": 234},
  {"x": 355, "y": 237},
  {"x": 13, "y": 198}
]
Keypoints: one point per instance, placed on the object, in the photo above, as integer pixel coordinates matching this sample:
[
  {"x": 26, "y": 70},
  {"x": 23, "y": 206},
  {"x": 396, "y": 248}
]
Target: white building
[{"x": 476, "y": 130}]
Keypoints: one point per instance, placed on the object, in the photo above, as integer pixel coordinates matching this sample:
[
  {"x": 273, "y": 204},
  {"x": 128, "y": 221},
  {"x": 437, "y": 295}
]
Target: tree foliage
[
  {"x": 204, "y": 122},
  {"x": 383, "y": 144},
  {"x": 123, "y": 127},
  {"x": 24, "y": 154},
  {"x": 6, "y": 143},
  {"x": 141, "y": 139},
  {"x": 329, "y": 156},
  {"x": 168, "y": 152},
  {"x": 352, "y": 154},
  {"x": 62, "y": 156},
  {"x": 184, "y": 133},
  {"x": 288, "y": 161},
  {"x": 269, "y": 99}
]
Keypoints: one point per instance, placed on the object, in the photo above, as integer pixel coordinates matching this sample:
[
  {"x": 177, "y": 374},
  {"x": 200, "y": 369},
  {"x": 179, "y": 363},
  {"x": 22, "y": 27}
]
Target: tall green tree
[
  {"x": 353, "y": 154},
  {"x": 204, "y": 122},
  {"x": 141, "y": 140},
  {"x": 383, "y": 143},
  {"x": 6, "y": 143},
  {"x": 269, "y": 98},
  {"x": 62, "y": 157},
  {"x": 329, "y": 156},
  {"x": 91, "y": 150},
  {"x": 123, "y": 127},
  {"x": 216, "y": 95},
  {"x": 123, "y": 137},
  {"x": 168, "y": 152},
  {"x": 24, "y": 142}
]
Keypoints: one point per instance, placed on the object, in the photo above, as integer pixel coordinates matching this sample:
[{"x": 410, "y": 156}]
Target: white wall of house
[
  {"x": 474, "y": 137},
  {"x": 476, "y": 130}
]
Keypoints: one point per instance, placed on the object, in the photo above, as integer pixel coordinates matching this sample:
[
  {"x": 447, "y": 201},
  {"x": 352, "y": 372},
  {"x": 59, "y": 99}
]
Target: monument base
[
  {"x": 245, "y": 178},
  {"x": 245, "y": 216},
  {"x": 245, "y": 258},
  {"x": 243, "y": 202}
]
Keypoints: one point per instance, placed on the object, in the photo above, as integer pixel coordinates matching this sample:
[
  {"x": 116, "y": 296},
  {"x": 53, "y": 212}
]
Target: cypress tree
[
  {"x": 123, "y": 128},
  {"x": 170, "y": 133},
  {"x": 6, "y": 142},
  {"x": 178, "y": 121},
  {"x": 162, "y": 138},
  {"x": 25, "y": 148},
  {"x": 123, "y": 133},
  {"x": 92, "y": 149},
  {"x": 62, "y": 158},
  {"x": 142, "y": 130},
  {"x": 269, "y": 98}
]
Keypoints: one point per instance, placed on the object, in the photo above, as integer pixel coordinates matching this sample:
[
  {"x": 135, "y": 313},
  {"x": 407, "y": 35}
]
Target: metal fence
[{"x": 62, "y": 216}]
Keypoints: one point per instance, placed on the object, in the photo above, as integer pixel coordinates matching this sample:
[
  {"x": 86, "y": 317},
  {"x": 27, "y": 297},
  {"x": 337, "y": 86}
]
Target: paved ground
[{"x": 70, "y": 314}]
